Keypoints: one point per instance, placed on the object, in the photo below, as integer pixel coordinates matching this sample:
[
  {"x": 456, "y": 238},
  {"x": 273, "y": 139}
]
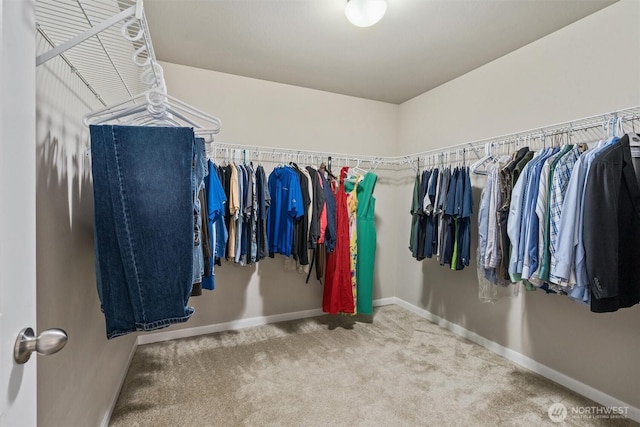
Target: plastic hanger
[
  {"x": 155, "y": 107},
  {"x": 355, "y": 172},
  {"x": 480, "y": 167},
  {"x": 619, "y": 127},
  {"x": 376, "y": 163}
]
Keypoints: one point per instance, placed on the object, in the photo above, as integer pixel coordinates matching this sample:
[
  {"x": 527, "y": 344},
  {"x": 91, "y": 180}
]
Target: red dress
[{"x": 338, "y": 293}]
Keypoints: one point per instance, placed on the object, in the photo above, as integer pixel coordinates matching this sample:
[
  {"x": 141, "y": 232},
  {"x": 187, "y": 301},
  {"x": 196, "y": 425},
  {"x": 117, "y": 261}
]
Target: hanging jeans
[
  {"x": 143, "y": 182},
  {"x": 200, "y": 171}
]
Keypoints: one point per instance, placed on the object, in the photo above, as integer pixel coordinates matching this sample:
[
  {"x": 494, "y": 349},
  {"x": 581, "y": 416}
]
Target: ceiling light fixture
[{"x": 365, "y": 13}]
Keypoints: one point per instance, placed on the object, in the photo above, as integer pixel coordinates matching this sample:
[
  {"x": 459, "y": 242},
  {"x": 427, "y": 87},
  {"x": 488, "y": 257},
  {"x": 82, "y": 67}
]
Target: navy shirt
[
  {"x": 430, "y": 236},
  {"x": 330, "y": 200},
  {"x": 464, "y": 248},
  {"x": 422, "y": 218},
  {"x": 450, "y": 208},
  {"x": 264, "y": 201},
  {"x": 449, "y": 211}
]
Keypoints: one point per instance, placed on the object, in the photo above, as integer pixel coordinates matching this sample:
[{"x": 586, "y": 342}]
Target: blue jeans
[
  {"x": 200, "y": 171},
  {"x": 144, "y": 231}
]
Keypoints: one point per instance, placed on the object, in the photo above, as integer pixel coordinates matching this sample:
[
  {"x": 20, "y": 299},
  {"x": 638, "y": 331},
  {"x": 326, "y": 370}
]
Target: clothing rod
[
  {"x": 586, "y": 123},
  {"x": 626, "y": 114},
  {"x": 222, "y": 146}
]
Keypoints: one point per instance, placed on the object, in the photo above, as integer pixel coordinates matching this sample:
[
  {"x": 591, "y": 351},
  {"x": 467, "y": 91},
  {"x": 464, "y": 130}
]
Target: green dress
[{"x": 366, "y": 234}]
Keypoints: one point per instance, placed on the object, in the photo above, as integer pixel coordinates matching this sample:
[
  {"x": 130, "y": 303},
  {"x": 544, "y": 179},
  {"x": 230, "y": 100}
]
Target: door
[{"x": 18, "y": 391}]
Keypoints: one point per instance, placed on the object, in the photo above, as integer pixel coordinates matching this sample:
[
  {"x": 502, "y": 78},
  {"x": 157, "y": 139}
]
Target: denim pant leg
[
  {"x": 146, "y": 274},
  {"x": 111, "y": 280},
  {"x": 200, "y": 171}
]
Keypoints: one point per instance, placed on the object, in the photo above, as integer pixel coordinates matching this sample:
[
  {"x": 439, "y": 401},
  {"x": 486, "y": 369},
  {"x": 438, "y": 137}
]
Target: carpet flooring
[{"x": 400, "y": 370}]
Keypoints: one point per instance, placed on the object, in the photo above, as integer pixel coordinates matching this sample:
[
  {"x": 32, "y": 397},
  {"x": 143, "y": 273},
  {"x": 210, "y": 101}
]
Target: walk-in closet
[{"x": 309, "y": 213}]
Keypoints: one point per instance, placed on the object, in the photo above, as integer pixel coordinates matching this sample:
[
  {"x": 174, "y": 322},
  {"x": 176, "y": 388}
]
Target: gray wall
[{"x": 584, "y": 69}]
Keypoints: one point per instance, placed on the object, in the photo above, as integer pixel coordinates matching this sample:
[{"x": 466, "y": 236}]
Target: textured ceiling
[{"x": 418, "y": 45}]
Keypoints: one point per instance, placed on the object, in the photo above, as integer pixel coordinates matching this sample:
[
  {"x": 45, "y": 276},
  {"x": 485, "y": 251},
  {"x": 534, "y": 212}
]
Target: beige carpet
[{"x": 400, "y": 370}]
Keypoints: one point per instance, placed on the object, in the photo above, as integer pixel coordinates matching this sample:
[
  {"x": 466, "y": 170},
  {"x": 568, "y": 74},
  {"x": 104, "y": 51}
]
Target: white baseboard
[
  {"x": 116, "y": 393},
  {"x": 240, "y": 324},
  {"x": 526, "y": 362},
  {"x": 385, "y": 301},
  {"x": 226, "y": 326}
]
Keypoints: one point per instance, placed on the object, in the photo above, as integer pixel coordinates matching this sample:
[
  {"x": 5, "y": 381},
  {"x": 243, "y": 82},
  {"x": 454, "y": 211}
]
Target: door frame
[{"x": 18, "y": 383}]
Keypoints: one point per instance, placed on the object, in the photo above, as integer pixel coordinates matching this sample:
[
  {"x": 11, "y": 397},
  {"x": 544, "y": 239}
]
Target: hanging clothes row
[
  {"x": 348, "y": 286},
  {"x": 234, "y": 202},
  {"x": 288, "y": 221},
  {"x": 441, "y": 215},
  {"x": 307, "y": 215},
  {"x": 565, "y": 220},
  {"x": 246, "y": 211},
  {"x": 314, "y": 220}
]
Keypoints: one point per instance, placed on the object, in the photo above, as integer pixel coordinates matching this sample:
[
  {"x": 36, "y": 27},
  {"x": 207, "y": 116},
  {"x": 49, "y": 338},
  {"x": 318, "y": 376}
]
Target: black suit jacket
[{"x": 612, "y": 229}]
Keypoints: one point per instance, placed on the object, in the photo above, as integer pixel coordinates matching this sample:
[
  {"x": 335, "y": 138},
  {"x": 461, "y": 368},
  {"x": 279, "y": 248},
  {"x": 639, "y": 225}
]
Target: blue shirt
[
  {"x": 216, "y": 200},
  {"x": 532, "y": 222},
  {"x": 467, "y": 211},
  {"x": 515, "y": 219},
  {"x": 562, "y": 265},
  {"x": 559, "y": 187},
  {"x": 286, "y": 206},
  {"x": 450, "y": 208},
  {"x": 215, "y": 207}
]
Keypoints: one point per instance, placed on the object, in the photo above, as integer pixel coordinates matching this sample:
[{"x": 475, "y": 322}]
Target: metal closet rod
[
  {"x": 540, "y": 133},
  {"x": 585, "y": 123},
  {"x": 291, "y": 153}
]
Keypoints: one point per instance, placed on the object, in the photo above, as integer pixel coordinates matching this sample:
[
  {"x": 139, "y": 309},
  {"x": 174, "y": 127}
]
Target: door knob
[{"x": 48, "y": 342}]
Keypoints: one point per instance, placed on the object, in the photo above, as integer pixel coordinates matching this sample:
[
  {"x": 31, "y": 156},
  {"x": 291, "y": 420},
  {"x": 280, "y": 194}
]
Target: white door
[{"x": 17, "y": 208}]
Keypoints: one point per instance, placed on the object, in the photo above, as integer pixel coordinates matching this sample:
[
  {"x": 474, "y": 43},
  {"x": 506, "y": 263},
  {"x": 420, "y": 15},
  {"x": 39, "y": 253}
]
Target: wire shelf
[{"x": 103, "y": 61}]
